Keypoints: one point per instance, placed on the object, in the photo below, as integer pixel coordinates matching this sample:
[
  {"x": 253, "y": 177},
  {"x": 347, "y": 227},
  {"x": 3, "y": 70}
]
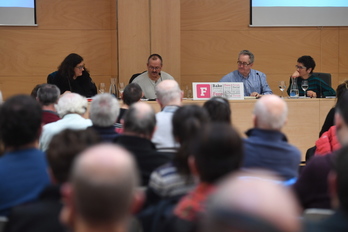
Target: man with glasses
[
  {"x": 152, "y": 77},
  {"x": 255, "y": 83}
]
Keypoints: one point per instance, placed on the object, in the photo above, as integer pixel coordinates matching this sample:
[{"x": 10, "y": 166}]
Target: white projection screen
[
  {"x": 17, "y": 13},
  {"x": 302, "y": 13}
]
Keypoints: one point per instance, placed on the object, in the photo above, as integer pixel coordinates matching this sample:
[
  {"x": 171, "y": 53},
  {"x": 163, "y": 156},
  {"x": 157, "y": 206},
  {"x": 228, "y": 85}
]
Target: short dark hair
[
  {"x": 132, "y": 93},
  {"x": 218, "y": 150},
  {"x": 35, "y": 89},
  {"x": 139, "y": 121},
  {"x": 186, "y": 123},
  {"x": 219, "y": 109},
  {"x": 307, "y": 61},
  {"x": 340, "y": 166},
  {"x": 155, "y": 57},
  {"x": 48, "y": 94},
  {"x": 20, "y": 121},
  {"x": 341, "y": 106},
  {"x": 63, "y": 149}
]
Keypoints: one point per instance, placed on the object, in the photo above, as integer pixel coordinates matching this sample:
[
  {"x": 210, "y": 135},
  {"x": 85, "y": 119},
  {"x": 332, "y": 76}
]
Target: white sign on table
[{"x": 228, "y": 90}]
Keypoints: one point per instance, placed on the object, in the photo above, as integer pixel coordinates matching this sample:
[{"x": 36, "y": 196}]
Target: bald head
[
  {"x": 270, "y": 112},
  {"x": 104, "y": 180},
  {"x": 255, "y": 195},
  {"x": 168, "y": 93},
  {"x": 140, "y": 120}
]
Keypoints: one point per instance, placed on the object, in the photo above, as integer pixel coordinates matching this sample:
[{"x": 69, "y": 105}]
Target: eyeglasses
[
  {"x": 80, "y": 67},
  {"x": 242, "y": 63},
  {"x": 300, "y": 67},
  {"x": 154, "y": 68}
]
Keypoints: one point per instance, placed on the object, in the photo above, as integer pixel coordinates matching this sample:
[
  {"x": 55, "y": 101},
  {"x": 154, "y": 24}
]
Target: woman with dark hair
[
  {"x": 317, "y": 88},
  {"x": 72, "y": 76}
]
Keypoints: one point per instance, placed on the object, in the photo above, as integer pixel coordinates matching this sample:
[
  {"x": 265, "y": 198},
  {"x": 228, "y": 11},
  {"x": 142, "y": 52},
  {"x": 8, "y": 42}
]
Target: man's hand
[
  {"x": 295, "y": 74},
  {"x": 255, "y": 94}
]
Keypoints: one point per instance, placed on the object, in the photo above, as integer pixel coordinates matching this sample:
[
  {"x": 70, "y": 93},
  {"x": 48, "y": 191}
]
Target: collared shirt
[
  {"x": 148, "y": 85},
  {"x": 254, "y": 82}
]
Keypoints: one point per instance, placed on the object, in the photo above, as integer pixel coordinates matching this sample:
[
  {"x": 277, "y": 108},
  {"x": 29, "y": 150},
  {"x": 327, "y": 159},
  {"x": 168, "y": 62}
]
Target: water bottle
[
  {"x": 294, "y": 89},
  {"x": 113, "y": 88}
]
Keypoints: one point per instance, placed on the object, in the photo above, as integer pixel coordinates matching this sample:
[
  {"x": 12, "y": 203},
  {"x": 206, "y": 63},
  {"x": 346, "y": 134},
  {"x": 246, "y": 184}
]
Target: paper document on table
[{"x": 228, "y": 90}]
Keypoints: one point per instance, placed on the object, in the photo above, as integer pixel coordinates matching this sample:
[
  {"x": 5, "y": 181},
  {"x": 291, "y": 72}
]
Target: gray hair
[
  {"x": 140, "y": 119},
  {"x": 104, "y": 110},
  {"x": 71, "y": 103},
  {"x": 48, "y": 94},
  {"x": 168, "y": 91},
  {"x": 248, "y": 53},
  {"x": 271, "y": 112}
]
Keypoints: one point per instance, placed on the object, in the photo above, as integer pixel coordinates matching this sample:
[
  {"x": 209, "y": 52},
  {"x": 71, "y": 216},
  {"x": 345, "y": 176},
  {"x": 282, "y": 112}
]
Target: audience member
[
  {"x": 152, "y": 77},
  {"x": 23, "y": 168},
  {"x": 48, "y": 96},
  {"x": 266, "y": 146},
  {"x": 174, "y": 179},
  {"x": 311, "y": 187},
  {"x": 329, "y": 120},
  {"x": 103, "y": 112},
  {"x": 131, "y": 94},
  {"x": 72, "y": 76},
  {"x": 316, "y": 86},
  {"x": 169, "y": 97},
  {"x": 255, "y": 83},
  {"x": 71, "y": 107},
  {"x": 139, "y": 126},
  {"x": 101, "y": 191},
  {"x": 219, "y": 109},
  {"x": 251, "y": 202},
  {"x": 43, "y": 214},
  {"x": 216, "y": 152},
  {"x": 338, "y": 182},
  {"x": 35, "y": 89}
]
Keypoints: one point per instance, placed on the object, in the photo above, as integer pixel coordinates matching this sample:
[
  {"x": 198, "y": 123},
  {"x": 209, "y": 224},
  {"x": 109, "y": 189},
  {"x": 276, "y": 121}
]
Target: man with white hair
[
  {"x": 103, "y": 112},
  {"x": 169, "y": 97},
  {"x": 266, "y": 146},
  {"x": 71, "y": 107},
  {"x": 102, "y": 190}
]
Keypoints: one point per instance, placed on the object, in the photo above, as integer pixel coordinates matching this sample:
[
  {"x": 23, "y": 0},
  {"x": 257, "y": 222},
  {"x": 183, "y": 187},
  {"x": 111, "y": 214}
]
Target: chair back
[
  {"x": 134, "y": 76},
  {"x": 326, "y": 77},
  {"x": 3, "y": 221},
  {"x": 316, "y": 215}
]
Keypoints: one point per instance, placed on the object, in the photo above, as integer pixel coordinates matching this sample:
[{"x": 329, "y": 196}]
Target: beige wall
[{"x": 198, "y": 39}]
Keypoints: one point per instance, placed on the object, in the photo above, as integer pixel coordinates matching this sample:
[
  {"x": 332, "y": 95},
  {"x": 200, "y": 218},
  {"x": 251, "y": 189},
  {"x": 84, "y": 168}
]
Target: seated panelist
[
  {"x": 255, "y": 83},
  {"x": 316, "y": 86},
  {"x": 152, "y": 77},
  {"x": 72, "y": 76}
]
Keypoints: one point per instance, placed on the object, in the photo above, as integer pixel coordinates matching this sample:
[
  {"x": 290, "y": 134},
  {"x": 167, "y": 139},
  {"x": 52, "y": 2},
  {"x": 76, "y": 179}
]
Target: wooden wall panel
[
  {"x": 76, "y": 14},
  {"x": 165, "y": 34},
  {"x": 212, "y": 15},
  {"x": 343, "y": 51},
  {"x": 29, "y": 54},
  {"x": 133, "y": 37}
]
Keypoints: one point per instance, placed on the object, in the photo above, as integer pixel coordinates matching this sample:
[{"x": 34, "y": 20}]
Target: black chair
[
  {"x": 134, "y": 76},
  {"x": 326, "y": 77}
]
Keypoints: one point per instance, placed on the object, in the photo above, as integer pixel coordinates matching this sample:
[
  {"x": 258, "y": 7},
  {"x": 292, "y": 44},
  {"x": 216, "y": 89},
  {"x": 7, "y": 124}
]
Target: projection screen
[
  {"x": 17, "y": 13},
  {"x": 282, "y": 13}
]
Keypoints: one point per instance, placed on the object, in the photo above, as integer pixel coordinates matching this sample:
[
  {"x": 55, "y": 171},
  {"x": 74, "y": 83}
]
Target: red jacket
[{"x": 327, "y": 143}]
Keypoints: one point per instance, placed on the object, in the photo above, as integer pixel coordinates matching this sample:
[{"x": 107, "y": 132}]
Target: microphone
[{"x": 257, "y": 73}]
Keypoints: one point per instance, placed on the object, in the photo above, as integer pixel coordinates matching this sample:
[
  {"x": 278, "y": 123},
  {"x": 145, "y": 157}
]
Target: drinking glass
[
  {"x": 282, "y": 87},
  {"x": 304, "y": 86},
  {"x": 102, "y": 87},
  {"x": 121, "y": 88}
]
